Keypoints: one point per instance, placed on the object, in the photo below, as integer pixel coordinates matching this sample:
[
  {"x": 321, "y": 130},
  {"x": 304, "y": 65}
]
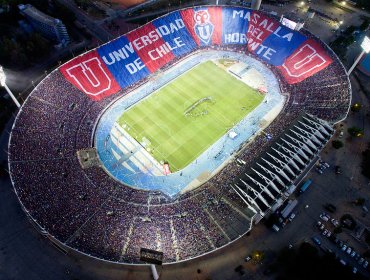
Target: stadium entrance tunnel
[{"x": 140, "y": 137}]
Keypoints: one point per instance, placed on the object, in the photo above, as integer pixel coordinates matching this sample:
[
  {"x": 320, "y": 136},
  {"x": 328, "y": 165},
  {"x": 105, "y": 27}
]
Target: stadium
[{"x": 177, "y": 136}]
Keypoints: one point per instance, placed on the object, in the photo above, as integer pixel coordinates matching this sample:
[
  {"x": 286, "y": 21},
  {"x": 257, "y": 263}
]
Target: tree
[
  {"x": 306, "y": 263},
  {"x": 350, "y": 30},
  {"x": 364, "y": 25},
  {"x": 63, "y": 13},
  {"x": 364, "y": 4},
  {"x": 360, "y": 201},
  {"x": 339, "y": 46},
  {"x": 337, "y": 144},
  {"x": 348, "y": 222},
  {"x": 37, "y": 46},
  {"x": 338, "y": 230},
  {"x": 355, "y": 131},
  {"x": 349, "y": 40},
  {"x": 12, "y": 53},
  {"x": 9, "y": 2}
]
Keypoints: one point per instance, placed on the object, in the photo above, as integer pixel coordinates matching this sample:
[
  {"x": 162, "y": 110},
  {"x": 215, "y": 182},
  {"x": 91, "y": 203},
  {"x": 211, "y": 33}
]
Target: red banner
[
  {"x": 308, "y": 59},
  {"x": 204, "y": 25},
  {"x": 260, "y": 27},
  {"x": 88, "y": 73},
  {"x": 151, "y": 48}
]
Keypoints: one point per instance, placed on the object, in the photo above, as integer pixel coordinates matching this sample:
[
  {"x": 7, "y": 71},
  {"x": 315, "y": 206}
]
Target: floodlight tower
[
  {"x": 3, "y": 84},
  {"x": 365, "y": 45}
]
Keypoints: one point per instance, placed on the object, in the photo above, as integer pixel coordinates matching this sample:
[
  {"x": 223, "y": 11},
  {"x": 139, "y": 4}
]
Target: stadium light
[
  {"x": 365, "y": 45},
  {"x": 3, "y": 84},
  {"x": 2, "y": 77},
  {"x": 154, "y": 272}
]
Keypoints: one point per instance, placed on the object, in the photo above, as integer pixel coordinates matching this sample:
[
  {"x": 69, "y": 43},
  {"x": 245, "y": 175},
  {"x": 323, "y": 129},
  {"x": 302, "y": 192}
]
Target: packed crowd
[{"x": 88, "y": 210}]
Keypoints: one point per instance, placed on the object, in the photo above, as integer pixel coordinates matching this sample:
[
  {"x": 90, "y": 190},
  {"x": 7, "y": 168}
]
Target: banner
[
  {"x": 129, "y": 59},
  {"x": 173, "y": 31},
  {"x": 151, "y": 48},
  {"x": 308, "y": 59},
  {"x": 235, "y": 25},
  {"x": 279, "y": 45},
  {"x": 260, "y": 27},
  {"x": 204, "y": 24},
  {"x": 123, "y": 62},
  {"x": 88, "y": 73}
]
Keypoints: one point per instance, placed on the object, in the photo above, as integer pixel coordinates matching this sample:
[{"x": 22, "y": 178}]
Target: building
[
  {"x": 50, "y": 27},
  {"x": 265, "y": 185}
]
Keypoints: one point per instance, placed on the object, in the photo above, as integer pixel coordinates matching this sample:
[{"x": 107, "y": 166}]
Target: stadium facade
[{"x": 88, "y": 210}]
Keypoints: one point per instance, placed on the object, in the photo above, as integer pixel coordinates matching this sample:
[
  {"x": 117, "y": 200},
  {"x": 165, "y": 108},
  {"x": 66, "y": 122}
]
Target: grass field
[{"x": 186, "y": 116}]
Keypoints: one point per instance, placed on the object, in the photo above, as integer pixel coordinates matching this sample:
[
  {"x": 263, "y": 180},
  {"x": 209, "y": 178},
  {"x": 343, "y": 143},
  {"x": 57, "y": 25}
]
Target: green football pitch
[{"x": 182, "y": 119}]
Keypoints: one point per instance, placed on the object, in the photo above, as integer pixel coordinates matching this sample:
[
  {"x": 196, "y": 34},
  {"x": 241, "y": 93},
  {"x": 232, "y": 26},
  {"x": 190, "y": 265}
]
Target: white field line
[
  {"x": 126, "y": 152},
  {"x": 118, "y": 157},
  {"x": 153, "y": 95},
  {"x": 141, "y": 154},
  {"x": 119, "y": 144},
  {"x": 158, "y": 89},
  {"x": 122, "y": 138},
  {"x": 130, "y": 157},
  {"x": 218, "y": 118}
]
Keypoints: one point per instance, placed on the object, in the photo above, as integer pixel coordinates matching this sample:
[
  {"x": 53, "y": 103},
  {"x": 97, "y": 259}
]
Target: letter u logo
[
  {"x": 303, "y": 62},
  {"x": 90, "y": 77},
  {"x": 204, "y": 32}
]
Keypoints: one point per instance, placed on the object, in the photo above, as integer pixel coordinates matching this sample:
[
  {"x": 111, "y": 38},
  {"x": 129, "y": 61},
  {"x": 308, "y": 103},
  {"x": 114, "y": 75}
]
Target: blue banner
[
  {"x": 123, "y": 62},
  {"x": 235, "y": 25},
  {"x": 279, "y": 45},
  {"x": 172, "y": 30}
]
